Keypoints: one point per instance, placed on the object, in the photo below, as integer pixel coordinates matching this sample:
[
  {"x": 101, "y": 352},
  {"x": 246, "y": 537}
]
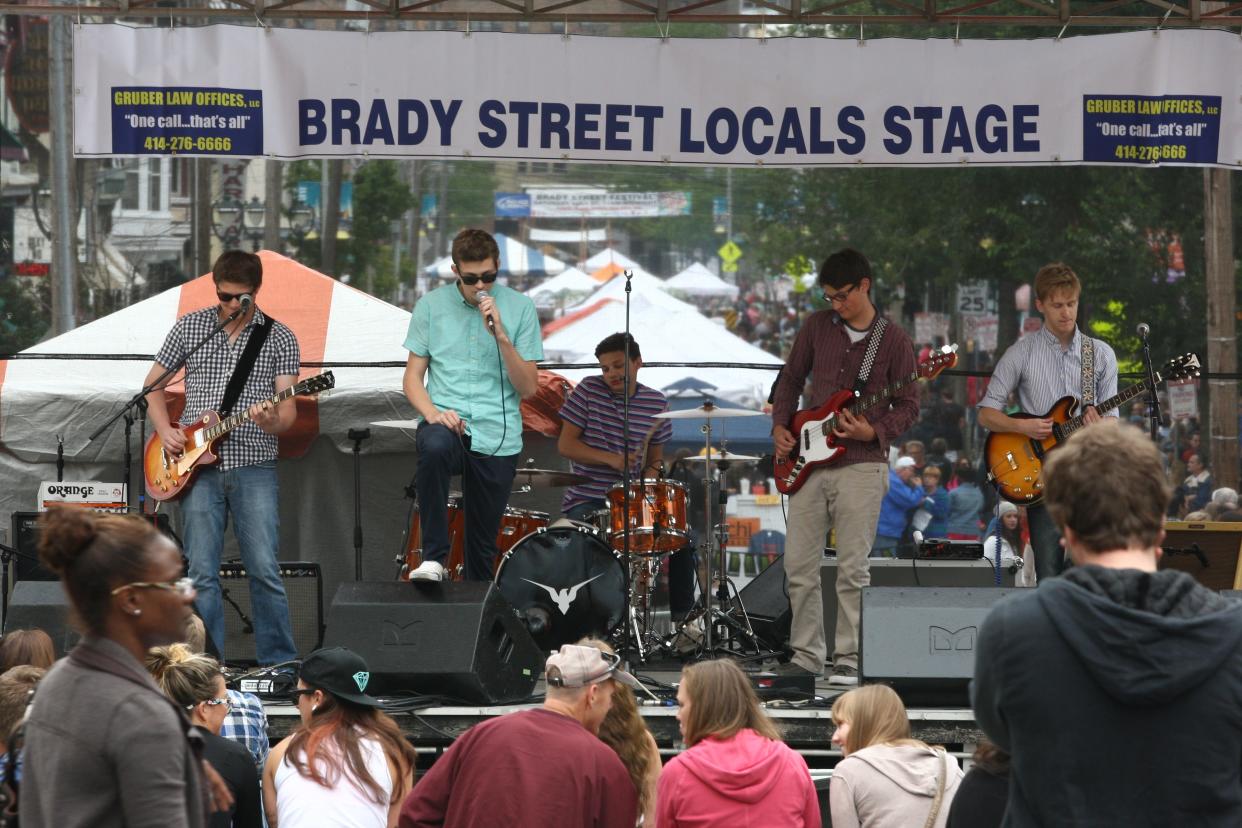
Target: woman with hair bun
[
  {"x": 104, "y": 747},
  {"x": 194, "y": 681}
]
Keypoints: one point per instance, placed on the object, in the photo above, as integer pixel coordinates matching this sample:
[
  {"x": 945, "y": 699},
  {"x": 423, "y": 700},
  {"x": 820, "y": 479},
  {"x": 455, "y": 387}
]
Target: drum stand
[{"x": 737, "y": 637}]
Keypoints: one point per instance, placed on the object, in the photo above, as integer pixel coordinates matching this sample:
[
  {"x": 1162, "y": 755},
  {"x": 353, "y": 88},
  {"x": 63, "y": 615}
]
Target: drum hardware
[
  {"x": 515, "y": 524},
  {"x": 549, "y": 477},
  {"x": 720, "y": 617}
]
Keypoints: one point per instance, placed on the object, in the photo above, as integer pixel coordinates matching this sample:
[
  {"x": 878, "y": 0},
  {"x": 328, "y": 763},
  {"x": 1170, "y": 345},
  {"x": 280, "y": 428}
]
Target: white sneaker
[{"x": 429, "y": 571}]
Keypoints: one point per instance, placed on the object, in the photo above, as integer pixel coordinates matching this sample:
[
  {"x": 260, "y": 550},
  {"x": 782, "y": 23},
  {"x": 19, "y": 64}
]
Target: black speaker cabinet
[
  {"x": 304, "y": 588},
  {"x": 42, "y": 605},
  {"x": 26, "y": 566},
  {"x": 766, "y": 599},
  {"x": 1211, "y": 552},
  {"x": 459, "y": 640},
  {"x": 922, "y": 640}
]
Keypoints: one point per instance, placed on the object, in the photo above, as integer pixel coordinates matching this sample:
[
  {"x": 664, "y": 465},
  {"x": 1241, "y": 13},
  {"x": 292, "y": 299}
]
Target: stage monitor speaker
[
  {"x": 460, "y": 640},
  {"x": 1211, "y": 552},
  {"x": 42, "y": 605},
  {"x": 766, "y": 599},
  {"x": 889, "y": 572},
  {"x": 921, "y": 640},
  {"x": 304, "y": 589}
]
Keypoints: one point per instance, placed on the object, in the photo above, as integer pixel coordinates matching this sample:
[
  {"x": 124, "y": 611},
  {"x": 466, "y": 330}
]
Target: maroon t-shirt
[{"x": 531, "y": 768}]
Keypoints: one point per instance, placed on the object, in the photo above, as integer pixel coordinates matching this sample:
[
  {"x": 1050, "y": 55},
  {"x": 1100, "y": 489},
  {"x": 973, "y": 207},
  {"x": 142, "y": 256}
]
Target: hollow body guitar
[
  {"x": 813, "y": 427},
  {"x": 168, "y": 475},
  {"x": 1015, "y": 462}
]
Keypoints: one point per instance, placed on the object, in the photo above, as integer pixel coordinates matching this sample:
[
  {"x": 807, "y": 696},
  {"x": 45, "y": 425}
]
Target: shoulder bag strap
[
  {"x": 940, "y": 782},
  {"x": 241, "y": 371},
  {"x": 1088, "y": 371},
  {"x": 873, "y": 348}
]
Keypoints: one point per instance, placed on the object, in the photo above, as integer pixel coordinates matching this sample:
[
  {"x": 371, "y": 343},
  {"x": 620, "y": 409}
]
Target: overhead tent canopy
[
  {"x": 697, "y": 280},
  {"x": 569, "y": 283},
  {"x": 516, "y": 259},
  {"x": 1126, "y": 98}
]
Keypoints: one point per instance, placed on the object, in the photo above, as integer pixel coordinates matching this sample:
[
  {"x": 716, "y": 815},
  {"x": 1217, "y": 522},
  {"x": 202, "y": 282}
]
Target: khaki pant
[{"x": 847, "y": 498}]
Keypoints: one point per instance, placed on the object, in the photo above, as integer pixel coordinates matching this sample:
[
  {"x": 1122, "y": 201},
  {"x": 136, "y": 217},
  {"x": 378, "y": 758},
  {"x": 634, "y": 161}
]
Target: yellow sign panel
[
  {"x": 729, "y": 252},
  {"x": 728, "y": 267}
]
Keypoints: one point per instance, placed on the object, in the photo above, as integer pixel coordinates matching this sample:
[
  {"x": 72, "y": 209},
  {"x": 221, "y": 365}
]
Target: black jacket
[{"x": 1118, "y": 694}]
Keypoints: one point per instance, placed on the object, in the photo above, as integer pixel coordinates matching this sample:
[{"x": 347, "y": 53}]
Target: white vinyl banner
[{"x": 1130, "y": 98}]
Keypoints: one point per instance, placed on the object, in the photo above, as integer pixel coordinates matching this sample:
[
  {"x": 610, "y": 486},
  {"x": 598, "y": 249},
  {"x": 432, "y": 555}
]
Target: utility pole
[
  {"x": 64, "y": 225},
  {"x": 273, "y": 200},
  {"x": 1222, "y": 337},
  {"x": 331, "y": 209},
  {"x": 201, "y": 216}
]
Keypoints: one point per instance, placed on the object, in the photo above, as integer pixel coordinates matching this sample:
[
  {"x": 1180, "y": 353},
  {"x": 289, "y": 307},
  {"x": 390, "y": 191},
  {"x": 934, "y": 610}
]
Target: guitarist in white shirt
[
  {"x": 243, "y": 483},
  {"x": 831, "y": 350},
  {"x": 1043, "y": 367}
]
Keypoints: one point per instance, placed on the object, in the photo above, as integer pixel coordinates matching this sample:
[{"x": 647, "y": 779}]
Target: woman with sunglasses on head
[
  {"x": 104, "y": 747},
  {"x": 348, "y": 765},
  {"x": 195, "y": 682},
  {"x": 481, "y": 342}
]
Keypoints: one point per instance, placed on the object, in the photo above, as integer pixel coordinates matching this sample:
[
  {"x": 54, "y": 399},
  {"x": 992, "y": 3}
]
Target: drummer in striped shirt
[{"x": 592, "y": 436}]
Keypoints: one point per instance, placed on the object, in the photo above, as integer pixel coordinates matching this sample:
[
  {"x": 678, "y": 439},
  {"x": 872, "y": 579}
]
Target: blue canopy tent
[{"x": 742, "y": 435}]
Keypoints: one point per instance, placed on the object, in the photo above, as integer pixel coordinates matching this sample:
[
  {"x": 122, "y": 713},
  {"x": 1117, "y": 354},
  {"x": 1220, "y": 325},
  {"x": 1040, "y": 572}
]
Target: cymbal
[
  {"x": 708, "y": 410},
  {"x": 407, "y": 424},
  {"x": 551, "y": 477},
  {"x": 719, "y": 456}
]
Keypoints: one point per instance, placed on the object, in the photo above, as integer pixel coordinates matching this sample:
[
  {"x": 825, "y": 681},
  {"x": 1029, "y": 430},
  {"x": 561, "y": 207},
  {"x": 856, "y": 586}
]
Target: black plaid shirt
[{"x": 209, "y": 369}]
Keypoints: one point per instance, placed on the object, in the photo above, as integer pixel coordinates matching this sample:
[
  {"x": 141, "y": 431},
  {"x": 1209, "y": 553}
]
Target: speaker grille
[{"x": 304, "y": 588}]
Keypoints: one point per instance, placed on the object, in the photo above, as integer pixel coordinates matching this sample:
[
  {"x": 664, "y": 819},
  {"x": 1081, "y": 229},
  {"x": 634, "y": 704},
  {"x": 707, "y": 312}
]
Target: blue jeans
[
  {"x": 249, "y": 494},
  {"x": 884, "y": 546},
  {"x": 1045, "y": 543},
  {"x": 485, "y": 486}
]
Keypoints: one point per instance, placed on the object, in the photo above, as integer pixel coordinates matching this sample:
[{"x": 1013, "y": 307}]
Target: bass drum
[{"x": 565, "y": 583}]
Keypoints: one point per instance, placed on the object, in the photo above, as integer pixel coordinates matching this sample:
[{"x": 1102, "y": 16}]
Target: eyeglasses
[
  {"x": 225, "y": 298},
  {"x": 214, "y": 703},
  {"x": 294, "y": 695},
  {"x": 182, "y": 586},
  {"x": 840, "y": 296},
  {"x": 473, "y": 278}
]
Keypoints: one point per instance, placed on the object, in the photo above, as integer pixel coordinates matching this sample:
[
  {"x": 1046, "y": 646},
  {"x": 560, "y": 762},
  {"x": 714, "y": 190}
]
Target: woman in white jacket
[{"x": 887, "y": 779}]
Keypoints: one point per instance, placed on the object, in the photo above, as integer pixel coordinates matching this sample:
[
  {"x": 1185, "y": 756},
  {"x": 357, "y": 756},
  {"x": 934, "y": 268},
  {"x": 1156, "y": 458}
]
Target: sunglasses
[
  {"x": 294, "y": 695},
  {"x": 225, "y": 298},
  {"x": 182, "y": 586},
  {"x": 214, "y": 703},
  {"x": 473, "y": 278}
]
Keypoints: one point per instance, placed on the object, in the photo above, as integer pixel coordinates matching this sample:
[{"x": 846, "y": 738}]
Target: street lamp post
[
  {"x": 226, "y": 221},
  {"x": 254, "y": 216}
]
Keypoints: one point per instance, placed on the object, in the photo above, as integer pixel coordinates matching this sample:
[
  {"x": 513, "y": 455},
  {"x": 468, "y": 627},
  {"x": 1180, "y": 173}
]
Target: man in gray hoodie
[{"x": 1116, "y": 688}]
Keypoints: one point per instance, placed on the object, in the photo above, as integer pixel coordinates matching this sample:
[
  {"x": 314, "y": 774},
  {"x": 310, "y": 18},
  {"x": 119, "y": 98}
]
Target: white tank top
[{"x": 304, "y": 803}]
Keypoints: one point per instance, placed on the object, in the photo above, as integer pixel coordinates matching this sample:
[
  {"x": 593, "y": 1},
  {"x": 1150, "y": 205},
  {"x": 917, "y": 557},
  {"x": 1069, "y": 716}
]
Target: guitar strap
[
  {"x": 873, "y": 348},
  {"x": 241, "y": 371},
  {"x": 1088, "y": 371}
]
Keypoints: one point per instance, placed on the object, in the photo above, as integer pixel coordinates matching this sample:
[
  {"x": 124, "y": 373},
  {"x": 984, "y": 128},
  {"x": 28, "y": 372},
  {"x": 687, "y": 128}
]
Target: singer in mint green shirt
[{"x": 465, "y": 372}]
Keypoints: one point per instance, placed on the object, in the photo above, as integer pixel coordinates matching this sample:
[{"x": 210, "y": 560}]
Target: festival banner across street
[{"x": 1129, "y": 98}]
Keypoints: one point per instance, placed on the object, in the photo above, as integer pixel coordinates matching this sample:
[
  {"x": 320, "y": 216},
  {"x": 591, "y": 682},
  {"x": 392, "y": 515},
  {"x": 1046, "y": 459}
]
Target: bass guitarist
[
  {"x": 252, "y": 358},
  {"x": 849, "y": 346},
  {"x": 1042, "y": 368}
]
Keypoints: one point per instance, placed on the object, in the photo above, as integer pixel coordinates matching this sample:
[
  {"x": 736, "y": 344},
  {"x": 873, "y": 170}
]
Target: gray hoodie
[{"x": 892, "y": 786}]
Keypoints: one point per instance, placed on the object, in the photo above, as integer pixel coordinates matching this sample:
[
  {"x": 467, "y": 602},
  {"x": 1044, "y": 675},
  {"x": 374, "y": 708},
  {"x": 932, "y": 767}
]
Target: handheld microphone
[
  {"x": 1143, "y": 329},
  {"x": 491, "y": 326}
]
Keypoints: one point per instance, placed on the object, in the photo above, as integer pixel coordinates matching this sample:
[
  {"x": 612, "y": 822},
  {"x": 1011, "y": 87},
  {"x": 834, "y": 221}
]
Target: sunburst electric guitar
[
  {"x": 813, "y": 427},
  {"x": 1016, "y": 462},
  {"x": 169, "y": 475}
]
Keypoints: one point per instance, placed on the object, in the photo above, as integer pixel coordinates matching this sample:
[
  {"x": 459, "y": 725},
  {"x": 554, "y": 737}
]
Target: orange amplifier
[{"x": 102, "y": 497}]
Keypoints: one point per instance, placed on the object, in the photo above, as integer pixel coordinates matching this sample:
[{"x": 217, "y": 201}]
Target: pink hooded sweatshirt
[{"x": 747, "y": 781}]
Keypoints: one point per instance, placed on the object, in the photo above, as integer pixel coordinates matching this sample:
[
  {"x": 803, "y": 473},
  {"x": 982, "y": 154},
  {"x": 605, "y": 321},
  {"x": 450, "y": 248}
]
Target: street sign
[{"x": 729, "y": 252}]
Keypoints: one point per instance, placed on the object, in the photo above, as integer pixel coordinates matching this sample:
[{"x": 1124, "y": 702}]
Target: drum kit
[{"x": 570, "y": 579}]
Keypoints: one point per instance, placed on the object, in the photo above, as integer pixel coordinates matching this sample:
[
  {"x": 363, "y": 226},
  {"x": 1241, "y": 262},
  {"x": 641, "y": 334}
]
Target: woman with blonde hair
[
  {"x": 736, "y": 770},
  {"x": 887, "y": 779},
  {"x": 624, "y": 731},
  {"x": 348, "y": 765},
  {"x": 195, "y": 682}
]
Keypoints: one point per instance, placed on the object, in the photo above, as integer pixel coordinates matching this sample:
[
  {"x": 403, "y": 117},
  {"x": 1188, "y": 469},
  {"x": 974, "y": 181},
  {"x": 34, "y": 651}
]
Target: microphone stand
[
  {"x": 628, "y": 607},
  {"x": 139, "y": 400},
  {"x": 358, "y": 435},
  {"x": 1157, "y": 418}
]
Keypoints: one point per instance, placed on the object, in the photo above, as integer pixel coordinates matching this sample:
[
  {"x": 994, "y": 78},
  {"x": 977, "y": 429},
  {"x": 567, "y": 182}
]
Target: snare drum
[
  {"x": 656, "y": 520},
  {"x": 515, "y": 524},
  {"x": 565, "y": 584}
]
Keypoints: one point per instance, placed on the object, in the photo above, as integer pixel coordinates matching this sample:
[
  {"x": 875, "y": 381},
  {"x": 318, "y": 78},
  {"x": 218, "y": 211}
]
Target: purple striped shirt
[{"x": 600, "y": 414}]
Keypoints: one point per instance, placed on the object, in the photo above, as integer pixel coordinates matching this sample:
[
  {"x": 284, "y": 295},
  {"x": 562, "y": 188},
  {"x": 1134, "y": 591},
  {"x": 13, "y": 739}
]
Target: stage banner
[
  {"x": 1132, "y": 98},
  {"x": 595, "y": 204}
]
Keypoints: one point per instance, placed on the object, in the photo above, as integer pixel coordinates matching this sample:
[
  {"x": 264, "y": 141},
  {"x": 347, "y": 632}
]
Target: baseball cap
[
  {"x": 578, "y": 666},
  {"x": 340, "y": 672},
  {"x": 904, "y": 462}
]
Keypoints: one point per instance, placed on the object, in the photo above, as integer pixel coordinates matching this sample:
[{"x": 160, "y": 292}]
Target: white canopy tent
[
  {"x": 697, "y": 280},
  {"x": 642, "y": 284},
  {"x": 665, "y": 334},
  {"x": 607, "y": 256},
  {"x": 570, "y": 283}
]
